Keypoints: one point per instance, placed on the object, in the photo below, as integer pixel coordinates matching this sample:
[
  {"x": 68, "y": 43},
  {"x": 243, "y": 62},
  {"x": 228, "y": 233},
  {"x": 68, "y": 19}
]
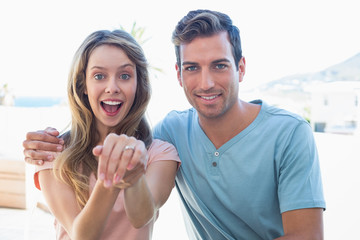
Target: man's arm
[
  {"x": 42, "y": 146},
  {"x": 304, "y": 224},
  {"x": 302, "y": 212}
]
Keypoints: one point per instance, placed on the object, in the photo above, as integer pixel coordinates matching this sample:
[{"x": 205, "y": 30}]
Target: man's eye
[
  {"x": 99, "y": 76},
  {"x": 220, "y": 66},
  {"x": 191, "y": 68},
  {"x": 125, "y": 76}
]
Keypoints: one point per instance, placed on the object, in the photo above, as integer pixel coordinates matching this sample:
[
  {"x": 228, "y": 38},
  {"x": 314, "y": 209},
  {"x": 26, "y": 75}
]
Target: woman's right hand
[{"x": 122, "y": 160}]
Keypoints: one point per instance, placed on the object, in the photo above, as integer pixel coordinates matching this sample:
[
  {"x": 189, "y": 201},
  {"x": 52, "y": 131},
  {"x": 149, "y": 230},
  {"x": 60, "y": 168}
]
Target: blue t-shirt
[{"x": 240, "y": 190}]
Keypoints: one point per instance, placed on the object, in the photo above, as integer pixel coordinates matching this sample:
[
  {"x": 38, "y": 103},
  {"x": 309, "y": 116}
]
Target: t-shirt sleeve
[
  {"x": 300, "y": 184},
  {"x": 163, "y": 129},
  {"x": 47, "y": 165},
  {"x": 161, "y": 150}
]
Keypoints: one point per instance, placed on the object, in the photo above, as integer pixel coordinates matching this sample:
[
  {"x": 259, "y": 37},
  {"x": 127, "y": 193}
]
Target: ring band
[{"x": 127, "y": 147}]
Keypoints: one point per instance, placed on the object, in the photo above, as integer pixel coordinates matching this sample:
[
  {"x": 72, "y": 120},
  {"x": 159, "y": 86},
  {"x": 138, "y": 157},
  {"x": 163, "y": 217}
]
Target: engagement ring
[{"x": 129, "y": 148}]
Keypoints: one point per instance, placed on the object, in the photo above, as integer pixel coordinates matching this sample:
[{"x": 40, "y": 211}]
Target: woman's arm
[
  {"x": 122, "y": 162},
  {"x": 86, "y": 223},
  {"x": 143, "y": 199}
]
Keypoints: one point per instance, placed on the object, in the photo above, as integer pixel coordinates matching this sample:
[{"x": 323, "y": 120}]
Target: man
[{"x": 249, "y": 170}]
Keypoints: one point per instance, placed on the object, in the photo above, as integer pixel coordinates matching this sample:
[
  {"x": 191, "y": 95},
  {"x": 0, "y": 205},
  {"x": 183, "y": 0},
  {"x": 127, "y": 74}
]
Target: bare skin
[{"x": 42, "y": 146}]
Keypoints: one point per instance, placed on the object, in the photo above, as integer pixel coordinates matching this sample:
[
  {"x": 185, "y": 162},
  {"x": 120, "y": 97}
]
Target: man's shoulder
[
  {"x": 173, "y": 123},
  {"x": 281, "y": 113},
  {"x": 176, "y": 116}
]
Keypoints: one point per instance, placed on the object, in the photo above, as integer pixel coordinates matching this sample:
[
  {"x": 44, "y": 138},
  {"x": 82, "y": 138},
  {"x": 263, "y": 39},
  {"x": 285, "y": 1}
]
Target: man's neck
[{"x": 220, "y": 130}]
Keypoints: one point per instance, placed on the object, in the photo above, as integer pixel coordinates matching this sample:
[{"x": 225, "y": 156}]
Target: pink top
[{"x": 118, "y": 226}]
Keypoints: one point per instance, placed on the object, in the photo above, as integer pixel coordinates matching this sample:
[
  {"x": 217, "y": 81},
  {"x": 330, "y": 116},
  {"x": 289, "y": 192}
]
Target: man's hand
[{"x": 43, "y": 145}]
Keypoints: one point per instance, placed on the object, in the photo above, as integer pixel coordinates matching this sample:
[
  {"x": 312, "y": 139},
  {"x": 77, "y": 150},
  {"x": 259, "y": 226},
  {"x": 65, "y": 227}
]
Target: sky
[{"x": 279, "y": 38}]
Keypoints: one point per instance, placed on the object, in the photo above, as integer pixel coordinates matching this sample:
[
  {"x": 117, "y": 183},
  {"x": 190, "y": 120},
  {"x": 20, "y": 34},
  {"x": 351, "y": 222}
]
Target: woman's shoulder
[
  {"x": 162, "y": 150},
  {"x": 160, "y": 145}
]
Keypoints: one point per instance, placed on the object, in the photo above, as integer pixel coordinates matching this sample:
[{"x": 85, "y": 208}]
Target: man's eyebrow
[
  {"x": 213, "y": 62},
  {"x": 189, "y": 63},
  {"x": 221, "y": 60}
]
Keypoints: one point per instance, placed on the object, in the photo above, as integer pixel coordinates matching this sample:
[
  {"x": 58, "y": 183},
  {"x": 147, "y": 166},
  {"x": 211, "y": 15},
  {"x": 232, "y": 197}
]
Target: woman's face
[{"x": 111, "y": 83}]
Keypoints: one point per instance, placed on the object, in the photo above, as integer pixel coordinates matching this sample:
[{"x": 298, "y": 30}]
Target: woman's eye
[
  {"x": 99, "y": 76},
  {"x": 125, "y": 76}
]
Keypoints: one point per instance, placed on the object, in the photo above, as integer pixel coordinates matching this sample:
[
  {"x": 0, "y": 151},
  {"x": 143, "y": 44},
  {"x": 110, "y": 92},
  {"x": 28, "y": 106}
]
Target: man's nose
[{"x": 207, "y": 80}]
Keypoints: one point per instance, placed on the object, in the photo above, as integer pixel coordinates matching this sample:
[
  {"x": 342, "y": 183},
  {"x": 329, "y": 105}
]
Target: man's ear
[
  {"x": 241, "y": 66},
  {"x": 178, "y": 72}
]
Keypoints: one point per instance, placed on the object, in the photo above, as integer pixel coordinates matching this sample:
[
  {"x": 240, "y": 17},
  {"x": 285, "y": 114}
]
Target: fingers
[
  {"x": 120, "y": 154},
  {"x": 34, "y": 161},
  {"x": 42, "y": 140},
  {"x": 103, "y": 164},
  {"x": 42, "y": 146},
  {"x": 47, "y": 135},
  {"x": 128, "y": 151},
  {"x": 115, "y": 160},
  {"x": 32, "y": 155},
  {"x": 97, "y": 150},
  {"x": 39, "y": 157},
  {"x": 138, "y": 158},
  {"x": 52, "y": 131}
]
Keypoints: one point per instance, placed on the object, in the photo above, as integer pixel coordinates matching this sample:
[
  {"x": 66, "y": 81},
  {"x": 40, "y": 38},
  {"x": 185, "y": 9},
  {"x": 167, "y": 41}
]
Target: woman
[{"x": 98, "y": 187}]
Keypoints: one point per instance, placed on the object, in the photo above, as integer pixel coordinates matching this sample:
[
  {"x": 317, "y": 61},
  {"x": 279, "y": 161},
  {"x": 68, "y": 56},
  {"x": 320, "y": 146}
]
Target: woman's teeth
[{"x": 111, "y": 106}]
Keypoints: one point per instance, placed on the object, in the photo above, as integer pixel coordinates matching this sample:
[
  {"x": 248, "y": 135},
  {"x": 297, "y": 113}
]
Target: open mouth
[{"x": 111, "y": 107}]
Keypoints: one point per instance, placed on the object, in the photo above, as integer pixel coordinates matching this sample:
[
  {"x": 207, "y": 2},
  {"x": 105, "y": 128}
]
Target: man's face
[{"x": 209, "y": 75}]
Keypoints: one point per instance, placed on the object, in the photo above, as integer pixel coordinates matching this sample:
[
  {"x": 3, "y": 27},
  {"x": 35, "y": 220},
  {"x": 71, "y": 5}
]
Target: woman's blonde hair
[{"x": 75, "y": 164}]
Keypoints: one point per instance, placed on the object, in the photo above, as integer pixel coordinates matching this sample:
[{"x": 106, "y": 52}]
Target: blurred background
[{"x": 303, "y": 56}]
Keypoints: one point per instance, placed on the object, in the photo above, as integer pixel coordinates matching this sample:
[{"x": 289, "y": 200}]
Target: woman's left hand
[{"x": 122, "y": 160}]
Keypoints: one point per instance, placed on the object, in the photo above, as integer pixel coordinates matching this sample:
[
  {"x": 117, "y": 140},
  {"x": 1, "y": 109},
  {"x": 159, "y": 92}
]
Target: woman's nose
[{"x": 112, "y": 86}]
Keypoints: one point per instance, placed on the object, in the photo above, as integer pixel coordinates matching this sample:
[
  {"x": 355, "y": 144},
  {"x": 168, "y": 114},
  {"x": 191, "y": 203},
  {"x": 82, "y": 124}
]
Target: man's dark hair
[{"x": 205, "y": 23}]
